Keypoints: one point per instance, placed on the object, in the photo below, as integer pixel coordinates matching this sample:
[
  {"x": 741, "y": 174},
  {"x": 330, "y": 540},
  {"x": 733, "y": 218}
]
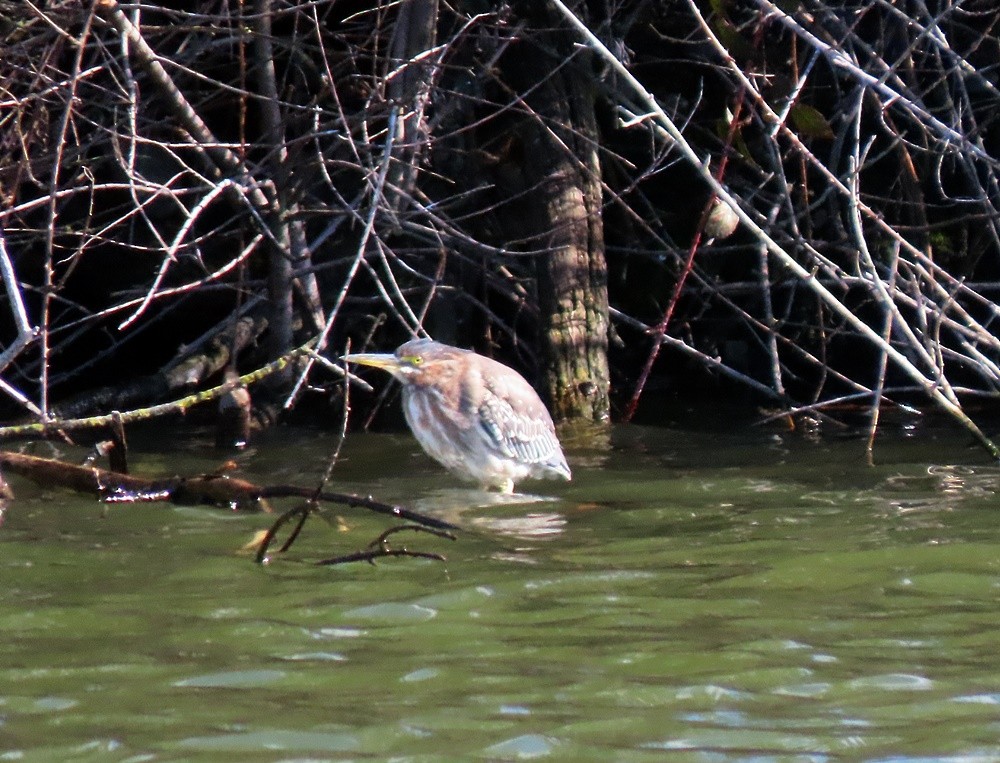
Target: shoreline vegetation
[{"x": 733, "y": 199}]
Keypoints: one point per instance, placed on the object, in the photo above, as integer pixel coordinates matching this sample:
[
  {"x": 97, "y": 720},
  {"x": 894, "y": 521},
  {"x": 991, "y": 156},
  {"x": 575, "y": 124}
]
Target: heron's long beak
[{"x": 384, "y": 360}]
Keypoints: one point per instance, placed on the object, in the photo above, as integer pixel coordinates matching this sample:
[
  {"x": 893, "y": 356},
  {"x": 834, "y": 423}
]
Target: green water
[{"x": 691, "y": 595}]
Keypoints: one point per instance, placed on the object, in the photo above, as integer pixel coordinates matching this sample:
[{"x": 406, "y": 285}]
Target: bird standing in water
[{"x": 480, "y": 419}]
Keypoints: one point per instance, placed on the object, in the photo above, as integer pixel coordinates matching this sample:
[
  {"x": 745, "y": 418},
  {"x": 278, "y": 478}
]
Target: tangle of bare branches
[{"x": 166, "y": 169}]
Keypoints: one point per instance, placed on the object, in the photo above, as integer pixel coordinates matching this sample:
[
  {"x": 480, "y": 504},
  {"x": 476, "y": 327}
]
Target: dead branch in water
[{"x": 219, "y": 490}]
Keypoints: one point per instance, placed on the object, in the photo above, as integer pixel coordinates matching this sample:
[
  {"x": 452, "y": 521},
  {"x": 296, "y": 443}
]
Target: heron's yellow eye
[{"x": 414, "y": 360}]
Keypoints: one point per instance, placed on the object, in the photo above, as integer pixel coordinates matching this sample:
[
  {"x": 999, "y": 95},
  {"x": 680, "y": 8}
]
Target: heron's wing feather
[{"x": 516, "y": 434}]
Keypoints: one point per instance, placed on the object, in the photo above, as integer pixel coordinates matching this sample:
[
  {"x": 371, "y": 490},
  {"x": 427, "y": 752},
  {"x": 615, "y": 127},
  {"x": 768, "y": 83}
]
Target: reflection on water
[
  {"x": 693, "y": 594},
  {"x": 518, "y": 515}
]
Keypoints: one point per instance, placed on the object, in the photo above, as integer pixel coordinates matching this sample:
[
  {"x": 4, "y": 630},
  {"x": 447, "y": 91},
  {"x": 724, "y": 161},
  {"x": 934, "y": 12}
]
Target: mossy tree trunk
[{"x": 563, "y": 171}]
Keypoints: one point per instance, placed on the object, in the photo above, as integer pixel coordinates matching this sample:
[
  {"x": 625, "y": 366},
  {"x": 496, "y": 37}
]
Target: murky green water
[{"x": 689, "y": 596}]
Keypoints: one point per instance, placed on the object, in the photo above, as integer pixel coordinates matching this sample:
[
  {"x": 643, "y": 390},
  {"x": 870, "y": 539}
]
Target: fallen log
[{"x": 218, "y": 489}]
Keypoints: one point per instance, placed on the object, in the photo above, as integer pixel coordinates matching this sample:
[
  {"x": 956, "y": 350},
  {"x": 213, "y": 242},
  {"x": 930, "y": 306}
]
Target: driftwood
[
  {"x": 220, "y": 490},
  {"x": 115, "y": 487},
  {"x": 211, "y": 489}
]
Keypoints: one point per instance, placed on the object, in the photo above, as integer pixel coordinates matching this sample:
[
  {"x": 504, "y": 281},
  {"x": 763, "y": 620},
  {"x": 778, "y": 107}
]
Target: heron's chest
[{"x": 456, "y": 402}]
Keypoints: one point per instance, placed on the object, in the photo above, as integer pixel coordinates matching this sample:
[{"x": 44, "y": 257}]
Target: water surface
[{"x": 691, "y": 595}]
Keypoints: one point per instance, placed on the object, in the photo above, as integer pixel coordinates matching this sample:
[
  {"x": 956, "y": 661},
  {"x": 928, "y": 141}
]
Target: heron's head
[{"x": 419, "y": 361}]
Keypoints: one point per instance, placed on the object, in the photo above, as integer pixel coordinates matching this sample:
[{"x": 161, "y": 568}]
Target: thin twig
[{"x": 380, "y": 548}]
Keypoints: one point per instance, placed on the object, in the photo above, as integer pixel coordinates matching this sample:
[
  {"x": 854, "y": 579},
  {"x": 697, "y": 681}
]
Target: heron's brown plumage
[{"x": 474, "y": 415}]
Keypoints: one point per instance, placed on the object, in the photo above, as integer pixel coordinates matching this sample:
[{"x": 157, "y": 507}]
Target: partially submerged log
[{"x": 208, "y": 489}]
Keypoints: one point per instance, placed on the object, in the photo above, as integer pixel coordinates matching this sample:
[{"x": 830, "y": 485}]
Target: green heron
[{"x": 480, "y": 419}]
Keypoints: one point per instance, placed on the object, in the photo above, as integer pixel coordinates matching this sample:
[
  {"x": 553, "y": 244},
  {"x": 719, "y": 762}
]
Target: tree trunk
[
  {"x": 564, "y": 173},
  {"x": 409, "y": 90},
  {"x": 289, "y": 250}
]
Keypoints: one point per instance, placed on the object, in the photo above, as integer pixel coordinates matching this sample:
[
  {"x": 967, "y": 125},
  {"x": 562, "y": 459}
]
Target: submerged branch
[
  {"x": 210, "y": 489},
  {"x": 381, "y": 548}
]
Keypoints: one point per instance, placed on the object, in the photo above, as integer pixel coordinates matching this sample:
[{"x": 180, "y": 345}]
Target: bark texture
[{"x": 563, "y": 168}]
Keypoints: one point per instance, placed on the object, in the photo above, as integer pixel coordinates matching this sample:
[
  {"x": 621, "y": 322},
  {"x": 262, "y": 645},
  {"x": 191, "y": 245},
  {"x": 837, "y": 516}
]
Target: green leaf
[{"x": 810, "y": 122}]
